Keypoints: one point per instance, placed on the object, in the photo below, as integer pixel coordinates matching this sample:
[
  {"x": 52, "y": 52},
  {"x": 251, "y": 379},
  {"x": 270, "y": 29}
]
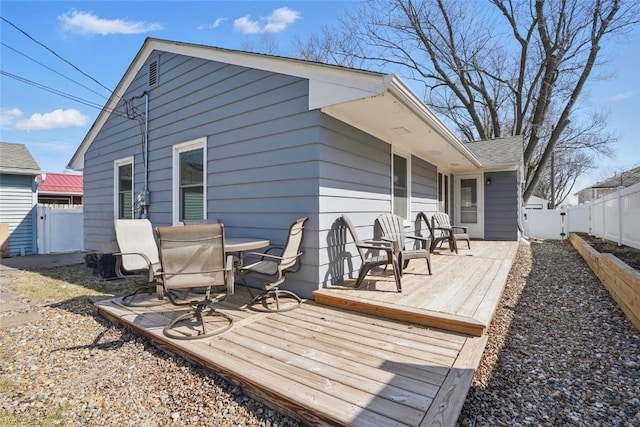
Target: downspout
[{"x": 145, "y": 189}]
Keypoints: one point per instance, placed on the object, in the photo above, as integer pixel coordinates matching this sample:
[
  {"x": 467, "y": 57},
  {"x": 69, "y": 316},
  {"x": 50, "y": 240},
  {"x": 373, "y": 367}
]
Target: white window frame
[
  {"x": 117, "y": 164},
  {"x": 407, "y": 157},
  {"x": 200, "y": 143}
]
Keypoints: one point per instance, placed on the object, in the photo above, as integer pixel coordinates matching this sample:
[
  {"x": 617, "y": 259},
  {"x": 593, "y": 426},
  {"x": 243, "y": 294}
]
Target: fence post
[
  {"x": 619, "y": 202},
  {"x": 604, "y": 217}
]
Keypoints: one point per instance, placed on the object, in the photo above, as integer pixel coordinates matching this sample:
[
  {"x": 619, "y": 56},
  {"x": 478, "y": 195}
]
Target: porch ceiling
[{"x": 389, "y": 118}]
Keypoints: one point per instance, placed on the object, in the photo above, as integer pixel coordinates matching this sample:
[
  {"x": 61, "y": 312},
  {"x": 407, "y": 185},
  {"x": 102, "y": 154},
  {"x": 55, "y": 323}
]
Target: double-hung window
[
  {"x": 123, "y": 188},
  {"x": 189, "y": 178},
  {"x": 401, "y": 188}
]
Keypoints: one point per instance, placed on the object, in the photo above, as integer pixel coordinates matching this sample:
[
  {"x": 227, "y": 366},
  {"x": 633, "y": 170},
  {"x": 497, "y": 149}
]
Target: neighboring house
[
  {"x": 18, "y": 170},
  {"x": 602, "y": 188},
  {"x": 258, "y": 141},
  {"x": 59, "y": 189}
]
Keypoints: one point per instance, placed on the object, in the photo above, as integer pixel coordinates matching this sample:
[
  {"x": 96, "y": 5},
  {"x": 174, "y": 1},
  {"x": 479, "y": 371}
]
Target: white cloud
[
  {"x": 53, "y": 120},
  {"x": 215, "y": 24},
  {"x": 9, "y": 115},
  {"x": 246, "y": 26},
  {"x": 276, "y": 22},
  {"x": 280, "y": 19},
  {"x": 621, "y": 96},
  {"x": 88, "y": 23}
]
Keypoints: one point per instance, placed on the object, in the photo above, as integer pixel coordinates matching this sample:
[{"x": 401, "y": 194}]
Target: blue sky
[{"x": 101, "y": 38}]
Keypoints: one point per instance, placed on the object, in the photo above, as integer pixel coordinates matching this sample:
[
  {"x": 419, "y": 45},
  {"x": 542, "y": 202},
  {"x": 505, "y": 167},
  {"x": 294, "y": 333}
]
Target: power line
[
  {"x": 61, "y": 93},
  {"x": 53, "y": 52},
  {"x": 51, "y": 69}
]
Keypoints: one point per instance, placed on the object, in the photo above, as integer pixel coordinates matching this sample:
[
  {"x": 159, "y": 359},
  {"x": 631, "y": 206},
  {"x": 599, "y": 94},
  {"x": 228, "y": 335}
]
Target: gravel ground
[{"x": 560, "y": 352}]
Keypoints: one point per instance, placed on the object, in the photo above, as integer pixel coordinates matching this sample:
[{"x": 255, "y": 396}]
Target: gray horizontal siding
[
  {"x": 18, "y": 211},
  {"x": 501, "y": 206},
  {"x": 424, "y": 194},
  {"x": 261, "y": 147},
  {"x": 355, "y": 179}
]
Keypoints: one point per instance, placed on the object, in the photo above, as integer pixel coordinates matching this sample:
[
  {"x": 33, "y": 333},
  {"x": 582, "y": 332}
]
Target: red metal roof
[{"x": 61, "y": 183}]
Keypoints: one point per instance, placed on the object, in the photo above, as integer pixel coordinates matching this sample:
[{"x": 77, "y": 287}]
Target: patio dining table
[{"x": 240, "y": 245}]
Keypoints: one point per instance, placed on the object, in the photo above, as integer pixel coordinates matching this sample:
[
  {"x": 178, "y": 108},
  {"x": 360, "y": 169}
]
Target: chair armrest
[
  {"x": 423, "y": 240},
  {"x": 389, "y": 244},
  {"x": 447, "y": 230},
  {"x": 374, "y": 244},
  {"x": 459, "y": 227},
  {"x": 263, "y": 255},
  {"x": 118, "y": 270}
]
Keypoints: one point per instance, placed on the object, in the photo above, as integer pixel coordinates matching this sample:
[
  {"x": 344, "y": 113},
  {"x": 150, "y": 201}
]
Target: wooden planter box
[{"x": 622, "y": 281}]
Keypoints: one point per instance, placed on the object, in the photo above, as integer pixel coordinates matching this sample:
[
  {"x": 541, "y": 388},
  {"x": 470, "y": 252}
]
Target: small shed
[{"x": 18, "y": 170}]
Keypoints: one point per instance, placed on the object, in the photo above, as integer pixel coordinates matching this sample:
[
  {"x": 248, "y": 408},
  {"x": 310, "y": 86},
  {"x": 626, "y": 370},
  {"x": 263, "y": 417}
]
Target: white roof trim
[{"x": 328, "y": 85}]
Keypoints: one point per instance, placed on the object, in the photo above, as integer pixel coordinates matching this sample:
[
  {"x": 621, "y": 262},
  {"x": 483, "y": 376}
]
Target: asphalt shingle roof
[
  {"x": 624, "y": 179},
  {"x": 16, "y": 158},
  {"x": 498, "y": 152}
]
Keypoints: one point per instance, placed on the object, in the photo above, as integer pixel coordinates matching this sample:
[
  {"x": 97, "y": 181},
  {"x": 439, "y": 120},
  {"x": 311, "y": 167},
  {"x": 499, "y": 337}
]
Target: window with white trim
[
  {"x": 189, "y": 177},
  {"x": 443, "y": 192},
  {"x": 123, "y": 188},
  {"x": 401, "y": 183}
]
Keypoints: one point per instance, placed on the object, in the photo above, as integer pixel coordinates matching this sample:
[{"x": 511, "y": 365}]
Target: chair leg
[
  {"x": 429, "y": 263},
  {"x": 364, "y": 270},
  {"x": 261, "y": 299},
  {"x": 453, "y": 245},
  {"x": 129, "y": 300},
  {"x": 198, "y": 314},
  {"x": 397, "y": 273}
]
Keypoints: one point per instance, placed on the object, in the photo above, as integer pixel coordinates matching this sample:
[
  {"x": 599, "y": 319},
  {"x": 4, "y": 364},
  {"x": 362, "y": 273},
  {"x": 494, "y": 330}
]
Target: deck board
[
  {"x": 320, "y": 364},
  {"x": 355, "y": 357},
  {"x": 461, "y": 295}
]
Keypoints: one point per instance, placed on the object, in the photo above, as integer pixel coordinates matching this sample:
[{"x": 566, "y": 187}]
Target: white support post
[{"x": 619, "y": 205}]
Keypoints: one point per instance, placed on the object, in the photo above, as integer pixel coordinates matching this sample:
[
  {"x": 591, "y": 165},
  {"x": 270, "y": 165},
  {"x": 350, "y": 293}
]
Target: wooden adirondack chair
[
  {"x": 392, "y": 227},
  {"x": 440, "y": 221},
  {"x": 390, "y": 255}
]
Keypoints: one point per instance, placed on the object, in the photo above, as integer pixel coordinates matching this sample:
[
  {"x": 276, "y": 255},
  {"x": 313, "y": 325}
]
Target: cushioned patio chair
[
  {"x": 392, "y": 227},
  {"x": 137, "y": 260},
  {"x": 193, "y": 256},
  {"x": 453, "y": 233},
  {"x": 270, "y": 271},
  {"x": 388, "y": 253}
]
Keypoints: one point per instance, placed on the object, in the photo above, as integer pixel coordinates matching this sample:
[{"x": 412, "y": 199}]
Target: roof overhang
[
  {"x": 19, "y": 171},
  {"x": 379, "y": 104},
  {"x": 396, "y": 115}
]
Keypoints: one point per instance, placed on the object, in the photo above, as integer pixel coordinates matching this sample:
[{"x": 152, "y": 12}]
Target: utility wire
[
  {"x": 53, "y": 52},
  {"x": 62, "y": 94},
  {"x": 51, "y": 69}
]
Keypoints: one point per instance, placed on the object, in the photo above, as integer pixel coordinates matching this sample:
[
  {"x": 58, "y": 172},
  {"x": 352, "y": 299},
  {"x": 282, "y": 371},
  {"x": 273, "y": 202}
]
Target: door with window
[{"x": 469, "y": 206}]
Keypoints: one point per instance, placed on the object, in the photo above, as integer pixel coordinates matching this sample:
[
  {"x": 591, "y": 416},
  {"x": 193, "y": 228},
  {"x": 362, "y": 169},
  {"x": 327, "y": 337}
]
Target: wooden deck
[
  {"x": 328, "y": 366},
  {"x": 461, "y": 295}
]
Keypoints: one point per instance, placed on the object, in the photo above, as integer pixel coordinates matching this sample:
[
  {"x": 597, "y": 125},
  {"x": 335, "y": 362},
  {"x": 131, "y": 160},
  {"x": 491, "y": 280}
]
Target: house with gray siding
[
  {"x": 18, "y": 199},
  {"x": 257, "y": 141}
]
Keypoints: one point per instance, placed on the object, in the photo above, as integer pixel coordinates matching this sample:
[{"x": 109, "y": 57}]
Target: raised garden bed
[{"x": 621, "y": 280}]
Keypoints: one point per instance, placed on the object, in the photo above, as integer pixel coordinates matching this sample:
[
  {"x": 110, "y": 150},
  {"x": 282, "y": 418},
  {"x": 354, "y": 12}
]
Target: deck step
[{"x": 446, "y": 321}]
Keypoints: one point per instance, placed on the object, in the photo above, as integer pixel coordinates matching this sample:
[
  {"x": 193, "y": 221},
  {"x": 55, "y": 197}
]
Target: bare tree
[
  {"x": 495, "y": 68},
  {"x": 559, "y": 176}
]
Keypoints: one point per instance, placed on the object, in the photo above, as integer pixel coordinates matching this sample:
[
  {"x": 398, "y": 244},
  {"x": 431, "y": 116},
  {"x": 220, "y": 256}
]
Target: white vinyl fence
[
  {"x": 60, "y": 229},
  {"x": 614, "y": 217}
]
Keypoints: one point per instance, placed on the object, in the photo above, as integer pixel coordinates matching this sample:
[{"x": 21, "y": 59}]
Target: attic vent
[{"x": 153, "y": 73}]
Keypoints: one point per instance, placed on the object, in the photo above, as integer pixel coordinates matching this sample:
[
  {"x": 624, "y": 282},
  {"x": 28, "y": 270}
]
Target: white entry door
[{"x": 469, "y": 206}]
